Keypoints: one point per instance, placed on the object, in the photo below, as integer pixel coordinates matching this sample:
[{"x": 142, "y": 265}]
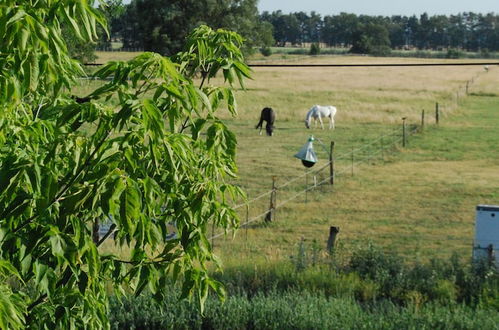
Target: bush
[
  {"x": 314, "y": 49},
  {"x": 454, "y": 53},
  {"x": 385, "y": 269},
  {"x": 266, "y": 51}
]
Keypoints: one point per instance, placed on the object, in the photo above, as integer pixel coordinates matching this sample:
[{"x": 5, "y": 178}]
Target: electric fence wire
[{"x": 316, "y": 171}]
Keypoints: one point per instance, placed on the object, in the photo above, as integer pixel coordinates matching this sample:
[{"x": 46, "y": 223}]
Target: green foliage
[
  {"x": 371, "y": 39},
  {"x": 374, "y": 264},
  {"x": 163, "y": 26},
  {"x": 469, "y": 31},
  {"x": 370, "y": 274},
  {"x": 454, "y": 53},
  {"x": 142, "y": 151},
  {"x": 294, "y": 309},
  {"x": 78, "y": 49},
  {"x": 328, "y": 295},
  {"x": 266, "y": 51},
  {"x": 314, "y": 49}
]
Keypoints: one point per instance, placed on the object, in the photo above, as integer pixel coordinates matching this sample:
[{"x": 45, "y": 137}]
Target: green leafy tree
[
  {"x": 371, "y": 38},
  {"x": 162, "y": 26},
  {"x": 144, "y": 151}
]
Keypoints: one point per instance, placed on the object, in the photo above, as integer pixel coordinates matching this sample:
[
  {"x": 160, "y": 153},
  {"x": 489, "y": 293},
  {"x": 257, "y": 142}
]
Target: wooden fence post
[
  {"x": 437, "y": 113},
  {"x": 331, "y": 163},
  {"x": 270, "y": 216},
  {"x": 422, "y": 120},
  {"x": 333, "y": 231},
  {"x": 404, "y": 134}
]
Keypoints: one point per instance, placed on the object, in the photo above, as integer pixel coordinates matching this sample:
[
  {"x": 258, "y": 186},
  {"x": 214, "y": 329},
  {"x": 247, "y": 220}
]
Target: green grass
[
  {"x": 295, "y": 310},
  {"x": 419, "y": 201}
]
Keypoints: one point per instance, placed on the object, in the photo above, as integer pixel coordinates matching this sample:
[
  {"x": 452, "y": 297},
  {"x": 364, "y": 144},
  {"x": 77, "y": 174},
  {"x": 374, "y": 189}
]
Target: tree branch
[
  {"x": 204, "y": 74},
  {"x": 66, "y": 186}
]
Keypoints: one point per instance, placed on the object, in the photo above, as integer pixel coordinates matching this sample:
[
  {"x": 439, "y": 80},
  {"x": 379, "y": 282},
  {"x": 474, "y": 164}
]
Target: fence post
[
  {"x": 467, "y": 86},
  {"x": 331, "y": 163},
  {"x": 422, "y": 120},
  {"x": 404, "y": 135},
  {"x": 270, "y": 214},
  {"x": 333, "y": 231},
  {"x": 437, "y": 113}
]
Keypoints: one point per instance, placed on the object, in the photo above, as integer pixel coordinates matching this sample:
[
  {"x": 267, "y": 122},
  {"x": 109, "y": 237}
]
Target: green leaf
[{"x": 130, "y": 206}]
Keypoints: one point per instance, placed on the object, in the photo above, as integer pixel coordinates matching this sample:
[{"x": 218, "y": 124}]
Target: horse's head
[
  {"x": 269, "y": 129},
  {"x": 307, "y": 123}
]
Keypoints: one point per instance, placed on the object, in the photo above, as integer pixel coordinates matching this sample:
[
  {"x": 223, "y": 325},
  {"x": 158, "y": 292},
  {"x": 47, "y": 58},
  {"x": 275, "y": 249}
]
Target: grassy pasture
[{"x": 419, "y": 201}]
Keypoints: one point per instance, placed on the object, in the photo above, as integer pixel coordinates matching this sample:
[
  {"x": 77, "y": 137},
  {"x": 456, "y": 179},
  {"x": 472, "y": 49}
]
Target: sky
[{"x": 381, "y": 7}]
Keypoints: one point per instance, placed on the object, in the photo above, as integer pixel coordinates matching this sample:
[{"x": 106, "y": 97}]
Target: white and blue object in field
[
  {"x": 307, "y": 153},
  {"x": 486, "y": 245}
]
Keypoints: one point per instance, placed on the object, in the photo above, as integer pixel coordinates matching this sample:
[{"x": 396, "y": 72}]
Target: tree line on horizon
[
  {"x": 469, "y": 31},
  {"x": 162, "y": 26}
]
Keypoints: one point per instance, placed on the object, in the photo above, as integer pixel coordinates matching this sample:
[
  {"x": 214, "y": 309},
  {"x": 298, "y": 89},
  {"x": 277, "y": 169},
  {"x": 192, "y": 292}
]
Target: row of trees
[
  {"x": 467, "y": 30},
  {"x": 161, "y": 26}
]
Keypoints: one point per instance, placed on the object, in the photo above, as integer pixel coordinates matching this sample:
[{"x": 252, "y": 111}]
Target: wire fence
[{"x": 263, "y": 207}]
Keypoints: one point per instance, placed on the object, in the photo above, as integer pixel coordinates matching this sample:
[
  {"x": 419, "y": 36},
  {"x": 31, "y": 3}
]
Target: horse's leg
[
  {"x": 331, "y": 123},
  {"x": 320, "y": 119},
  {"x": 260, "y": 124}
]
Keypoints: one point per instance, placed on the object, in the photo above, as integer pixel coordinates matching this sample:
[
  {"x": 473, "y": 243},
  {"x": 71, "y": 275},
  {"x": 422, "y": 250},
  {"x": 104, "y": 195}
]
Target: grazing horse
[
  {"x": 268, "y": 115},
  {"x": 318, "y": 112}
]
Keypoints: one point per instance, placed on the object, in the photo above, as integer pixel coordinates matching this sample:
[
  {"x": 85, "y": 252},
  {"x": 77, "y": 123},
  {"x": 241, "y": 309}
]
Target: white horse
[{"x": 318, "y": 112}]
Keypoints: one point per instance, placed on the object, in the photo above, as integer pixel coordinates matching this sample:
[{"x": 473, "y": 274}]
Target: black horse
[{"x": 268, "y": 115}]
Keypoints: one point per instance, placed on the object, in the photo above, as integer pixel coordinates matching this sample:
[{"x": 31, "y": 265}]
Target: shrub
[
  {"x": 314, "y": 49},
  {"x": 266, "y": 51},
  {"x": 374, "y": 264},
  {"x": 454, "y": 53}
]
